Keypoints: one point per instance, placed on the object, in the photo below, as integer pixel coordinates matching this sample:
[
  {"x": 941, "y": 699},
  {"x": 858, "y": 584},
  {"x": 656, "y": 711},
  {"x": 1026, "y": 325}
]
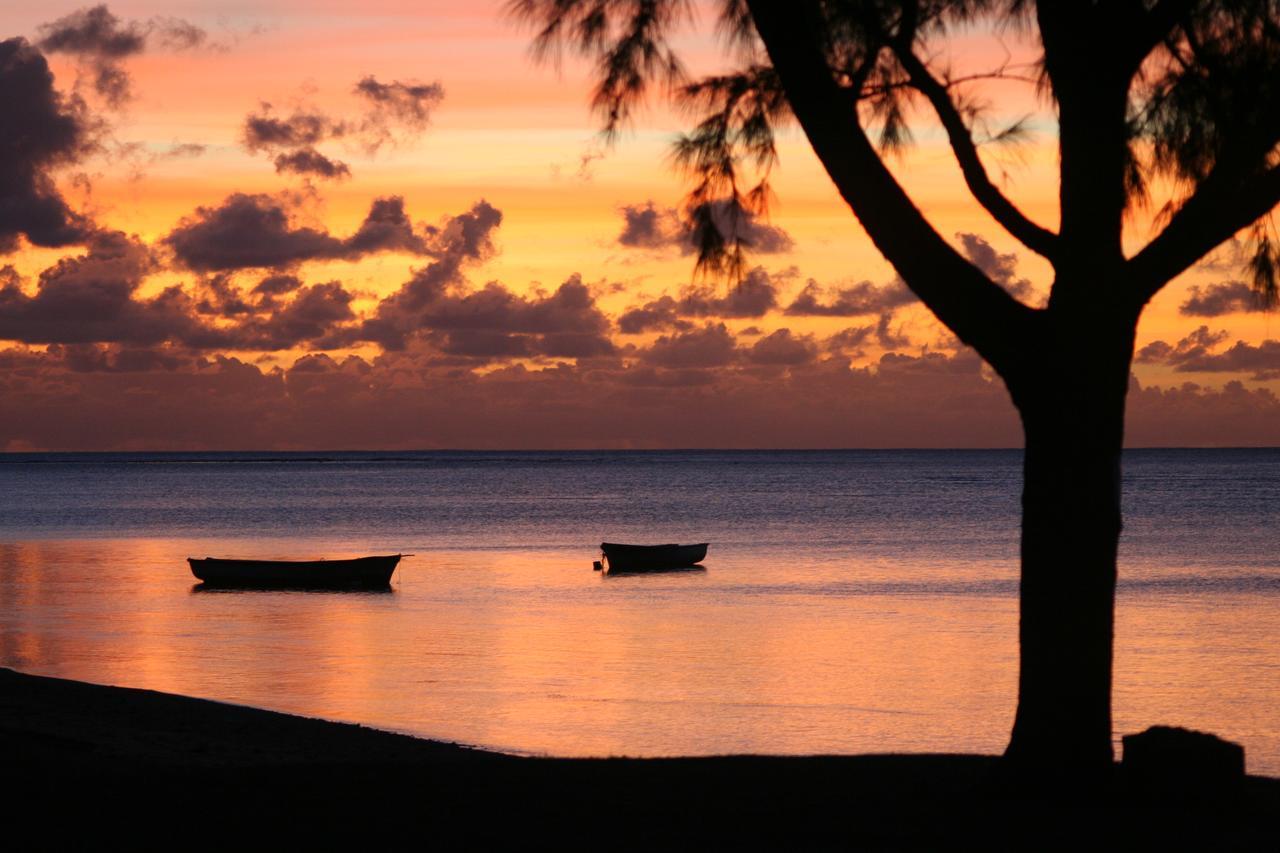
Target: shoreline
[{"x": 139, "y": 764}]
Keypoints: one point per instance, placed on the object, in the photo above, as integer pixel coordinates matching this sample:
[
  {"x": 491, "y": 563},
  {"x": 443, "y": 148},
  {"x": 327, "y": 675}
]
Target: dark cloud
[
  {"x": 275, "y": 285},
  {"x": 647, "y": 226},
  {"x": 784, "y": 349},
  {"x": 1215, "y": 300},
  {"x": 425, "y": 401},
  {"x": 247, "y": 231},
  {"x": 1195, "y": 345},
  {"x": 309, "y": 317},
  {"x": 657, "y": 314},
  {"x": 120, "y": 397},
  {"x": 101, "y": 42},
  {"x": 852, "y": 301},
  {"x": 266, "y": 132},
  {"x": 888, "y": 337},
  {"x": 468, "y": 235},
  {"x": 754, "y": 296},
  {"x": 116, "y": 358},
  {"x": 1197, "y": 353},
  {"x": 224, "y": 299},
  {"x": 1262, "y": 361},
  {"x": 493, "y": 322},
  {"x": 254, "y": 231},
  {"x": 387, "y": 228},
  {"x": 91, "y": 298},
  {"x": 850, "y": 339},
  {"x": 393, "y": 109},
  {"x": 291, "y": 141},
  {"x": 308, "y": 161},
  {"x": 40, "y": 132},
  {"x": 459, "y": 241},
  {"x": 1002, "y": 269},
  {"x": 966, "y": 362},
  {"x": 398, "y": 104},
  {"x": 94, "y": 299},
  {"x": 710, "y": 346}
]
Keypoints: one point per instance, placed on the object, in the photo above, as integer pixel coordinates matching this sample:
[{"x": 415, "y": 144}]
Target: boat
[
  {"x": 359, "y": 573},
  {"x": 649, "y": 558}
]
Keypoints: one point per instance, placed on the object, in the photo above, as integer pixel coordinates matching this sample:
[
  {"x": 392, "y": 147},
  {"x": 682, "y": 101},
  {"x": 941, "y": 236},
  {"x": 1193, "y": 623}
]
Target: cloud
[
  {"x": 1262, "y": 360},
  {"x": 1002, "y": 269},
  {"x": 291, "y": 142},
  {"x": 661, "y": 313},
  {"x": 255, "y": 231},
  {"x": 783, "y": 349},
  {"x": 459, "y": 241},
  {"x": 179, "y": 150},
  {"x": 41, "y": 132},
  {"x": 1215, "y": 300},
  {"x": 647, "y": 226},
  {"x": 399, "y": 104},
  {"x": 308, "y": 161},
  {"x": 492, "y": 322},
  {"x": 387, "y": 228},
  {"x": 118, "y": 397},
  {"x": 93, "y": 299},
  {"x": 319, "y": 401},
  {"x": 710, "y": 346},
  {"x": 754, "y": 296},
  {"x": 852, "y": 301},
  {"x": 309, "y": 317},
  {"x": 1196, "y": 353},
  {"x": 101, "y": 42},
  {"x": 1193, "y": 346},
  {"x": 1195, "y": 416},
  {"x": 275, "y": 285},
  {"x": 393, "y": 111},
  {"x": 850, "y": 339},
  {"x": 247, "y": 231},
  {"x": 266, "y": 132}
]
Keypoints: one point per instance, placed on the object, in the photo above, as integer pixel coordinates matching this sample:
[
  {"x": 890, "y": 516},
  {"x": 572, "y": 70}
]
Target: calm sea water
[{"x": 851, "y": 601}]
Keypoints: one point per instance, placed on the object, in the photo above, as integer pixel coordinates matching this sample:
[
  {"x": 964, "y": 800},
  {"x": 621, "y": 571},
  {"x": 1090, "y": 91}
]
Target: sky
[{"x": 302, "y": 225}]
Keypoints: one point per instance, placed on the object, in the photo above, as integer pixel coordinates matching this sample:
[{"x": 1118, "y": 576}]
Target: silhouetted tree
[{"x": 1182, "y": 92}]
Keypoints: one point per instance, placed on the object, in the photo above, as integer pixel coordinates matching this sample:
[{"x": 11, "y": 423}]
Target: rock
[{"x": 1173, "y": 762}]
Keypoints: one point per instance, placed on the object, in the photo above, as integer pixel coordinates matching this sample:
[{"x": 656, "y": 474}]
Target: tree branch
[
  {"x": 1035, "y": 237},
  {"x": 1211, "y": 216},
  {"x": 972, "y": 306},
  {"x": 1155, "y": 25}
]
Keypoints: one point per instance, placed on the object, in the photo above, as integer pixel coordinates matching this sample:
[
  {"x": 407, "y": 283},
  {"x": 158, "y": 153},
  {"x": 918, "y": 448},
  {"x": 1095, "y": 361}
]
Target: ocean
[{"x": 851, "y": 601}]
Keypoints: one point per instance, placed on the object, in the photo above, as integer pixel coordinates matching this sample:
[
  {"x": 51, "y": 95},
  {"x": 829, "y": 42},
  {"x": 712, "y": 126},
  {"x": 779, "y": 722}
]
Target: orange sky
[{"x": 513, "y": 133}]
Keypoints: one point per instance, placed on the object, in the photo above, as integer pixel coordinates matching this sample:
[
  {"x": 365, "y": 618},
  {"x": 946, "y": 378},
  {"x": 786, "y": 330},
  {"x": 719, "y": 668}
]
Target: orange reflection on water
[{"x": 534, "y": 652}]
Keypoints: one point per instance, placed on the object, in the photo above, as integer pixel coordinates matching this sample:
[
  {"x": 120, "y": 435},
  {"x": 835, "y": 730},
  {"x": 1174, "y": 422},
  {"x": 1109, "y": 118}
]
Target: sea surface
[{"x": 854, "y": 601}]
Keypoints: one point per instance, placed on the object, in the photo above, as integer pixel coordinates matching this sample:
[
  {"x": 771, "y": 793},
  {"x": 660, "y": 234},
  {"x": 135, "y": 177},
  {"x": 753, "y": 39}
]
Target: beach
[{"x": 106, "y": 766}]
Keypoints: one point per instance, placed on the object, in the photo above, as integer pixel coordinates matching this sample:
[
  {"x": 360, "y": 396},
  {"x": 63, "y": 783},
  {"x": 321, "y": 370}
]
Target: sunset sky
[{"x": 289, "y": 224}]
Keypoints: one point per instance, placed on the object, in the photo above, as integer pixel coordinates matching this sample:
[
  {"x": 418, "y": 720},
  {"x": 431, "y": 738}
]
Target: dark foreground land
[{"x": 89, "y": 767}]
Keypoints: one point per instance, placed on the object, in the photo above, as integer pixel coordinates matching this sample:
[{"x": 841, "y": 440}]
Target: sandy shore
[{"x": 108, "y": 765}]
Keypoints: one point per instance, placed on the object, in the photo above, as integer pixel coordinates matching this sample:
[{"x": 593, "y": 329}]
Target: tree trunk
[{"x": 1073, "y": 420}]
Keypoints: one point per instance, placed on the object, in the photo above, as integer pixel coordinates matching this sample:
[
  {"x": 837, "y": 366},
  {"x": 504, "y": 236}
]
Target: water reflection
[
  {"x": 247, "y": 589},
  {"x": 527, "y": 651},
  {"x": 668, "y": 570}
]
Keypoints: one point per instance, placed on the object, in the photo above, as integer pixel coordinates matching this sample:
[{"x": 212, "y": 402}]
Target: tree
[{"x": 1180, "y": 93}]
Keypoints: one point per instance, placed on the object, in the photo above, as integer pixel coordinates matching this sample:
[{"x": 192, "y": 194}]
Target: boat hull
[
  {"x": 360, "y": 573},
  {"x": 651, "y": 558}
]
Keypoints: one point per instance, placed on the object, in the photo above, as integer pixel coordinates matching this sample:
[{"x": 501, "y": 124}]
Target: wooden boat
[
  {"x": 360, "y": 573},
  {"x": 648, "y": 558}
]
